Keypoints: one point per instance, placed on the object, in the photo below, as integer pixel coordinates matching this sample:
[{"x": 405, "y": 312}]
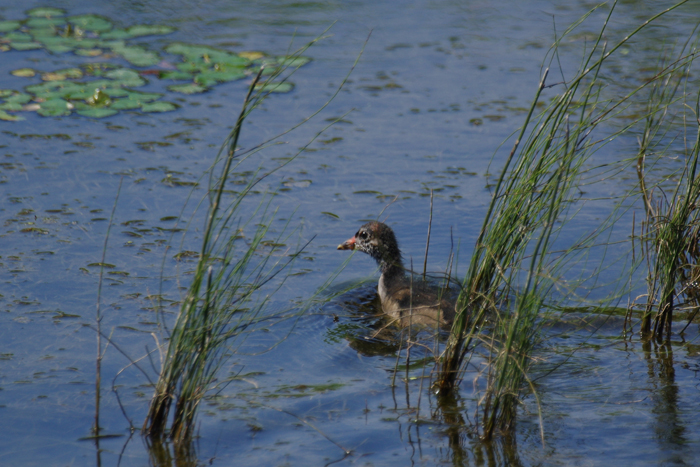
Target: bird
[{"x": 404, "y": 299}]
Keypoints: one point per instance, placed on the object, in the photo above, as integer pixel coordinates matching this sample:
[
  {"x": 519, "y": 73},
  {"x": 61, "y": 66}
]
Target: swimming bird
[{"x": 411, "y": 301}]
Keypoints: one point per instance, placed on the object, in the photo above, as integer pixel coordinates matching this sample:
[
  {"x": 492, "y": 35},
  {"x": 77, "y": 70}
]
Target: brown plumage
[{"x": 411, "y": 302}]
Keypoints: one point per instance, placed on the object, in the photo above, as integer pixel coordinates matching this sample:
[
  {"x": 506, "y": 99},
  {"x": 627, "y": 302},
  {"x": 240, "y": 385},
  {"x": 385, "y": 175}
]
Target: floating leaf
[
  {"x": 159, "y": 107},
  {"x": 330, "y": 214},
  {"x": 13, "y": 106},
  {"x": 19, "y": 98},
  {"x": 190, "y": 88},
  {"x": 91, "y": 22},
  {"x": 44, "y": 22},
  {"x": 7, "y": 26},
  {"x": 175, "y": 75},
  {"x": 149, "y": 30},
  {"x": 126, "y": 77},
  {"x": 275, "y": 87},
  {"x": 88, "y": 52},
  {"x": 134, "y": 54},
  {"x": 116, "y": 33},
  {"x": 23, "y": 72},
  {"x": 251, "y": 55},
  {"x": 18, "y": 36},
  {"x": 143, "y": 96},
  {"x": 6, "y": 92},
  {"x": 54, "y": 108},
  {"x": 208, "y": 78},
  {"x": 24, "y": 46},
  {"x": 125, "y": 104},
  {"x": 9, "y": 118},
  {"x": 45, "y": 11},
  {"x": 97, "y": 112}
]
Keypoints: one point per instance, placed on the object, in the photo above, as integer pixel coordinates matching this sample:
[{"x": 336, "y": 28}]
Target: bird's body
[{"x": 404, "y": 298}]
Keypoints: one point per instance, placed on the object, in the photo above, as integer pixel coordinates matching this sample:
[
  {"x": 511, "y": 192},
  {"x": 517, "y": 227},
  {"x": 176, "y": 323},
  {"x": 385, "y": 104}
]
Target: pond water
[{"x": 439, "y": 87}]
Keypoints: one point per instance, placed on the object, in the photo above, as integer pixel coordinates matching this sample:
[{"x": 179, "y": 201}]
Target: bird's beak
[{"x": 348, "y": 245}]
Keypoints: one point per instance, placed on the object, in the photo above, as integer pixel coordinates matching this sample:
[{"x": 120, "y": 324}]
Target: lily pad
[
  {"x": 46, "y": 12},
  {"x": 293, "y": 62},
  {"x": 88, "y": 52},
  {"x": 143, "y": 96},
  {"x": 275, "y": 87},
  {"x": 44, "y": 22},
  {"x": 149, "y": 30},
  {"x": 116, "y": 33},
  {"x": 7, "y": 26},
  {"x": 175, "y": 75},
  {"x": 6, "y": 92},
  {"x": 54, "y": 108},
  {"x": 159, "y": 107},
  {"x": 208, "y": 78},
  {"x": 91, "y": 23},
  {"x": 24, "y": 46},
  {"x": 19, "y": 98},
  {"x": 134, "y": 54},
  {"x": 251, "y": 55},
  {"x": 190, "y": 88},
  {"x": 97, "y": 112},
  {"x": 13, "y": 106},
  {"x": 23, "y": 72},
  {"x": 125, "y": 104},
  {"x": 9, "y": 118},
  {"x": 126, "y": 77}
]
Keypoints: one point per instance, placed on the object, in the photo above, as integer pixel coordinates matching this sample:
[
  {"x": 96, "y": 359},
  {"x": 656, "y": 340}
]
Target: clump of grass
[
  {"x": 223, "y": 302},
  {"x": 671, "y": 230},
  {"x": 513, "y": 267}
]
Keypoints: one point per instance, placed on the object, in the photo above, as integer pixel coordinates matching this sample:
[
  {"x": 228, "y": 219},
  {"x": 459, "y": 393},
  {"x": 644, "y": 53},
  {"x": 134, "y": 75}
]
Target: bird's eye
[{"x": 362, "y": 234}]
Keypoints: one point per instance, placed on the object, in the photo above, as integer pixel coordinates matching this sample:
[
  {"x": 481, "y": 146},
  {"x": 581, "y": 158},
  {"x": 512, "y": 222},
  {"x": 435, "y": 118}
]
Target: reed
[
  {"x": 513, "y": 267},
  {"x": 671, "y": 229},
  {"x": 234, "y": 277}
]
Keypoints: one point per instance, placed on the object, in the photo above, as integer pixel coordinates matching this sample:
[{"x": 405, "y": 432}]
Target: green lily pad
[
  {"x": 158, "y": 107},
  {"x": 208, "y": 78},
  {"x": 190, "y": 88},
  {"x": 126, "y": 77},
  {"x": 6, "y": 92},
  {"x": 88, "y": 52},
  {"x": 54, "y": 108},
  {"x": 143, "y": 96},
  {"x": 19, "y": 98},
  {"x": 18, "y": 36},
  {"x": 23, "y": 72},
  {"x": 9, "y": 118},
  {"x": 45, "y": 11},
  {"x": 91, "y": 22},
  {"x": 7, "y": 26},
  {"x": 13, "y": 106},
  {"x": 116, "y": 34},
  {"x": 175, "y": 75},
  {"x": 97, "y": 112},
  {"x": 135, "y": 54},
  {"x": 125, "y": 104},
  {"x": 149, "y": 30},
  {"x": 191, "y": 67},
  {"x": 24, "y": 46},
  {"x": 44, "y": 22},
  {"x": 275, "y": 87}
]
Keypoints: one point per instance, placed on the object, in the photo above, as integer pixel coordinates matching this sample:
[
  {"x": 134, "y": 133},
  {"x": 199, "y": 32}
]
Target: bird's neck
[{"x": 392, "y": 270}]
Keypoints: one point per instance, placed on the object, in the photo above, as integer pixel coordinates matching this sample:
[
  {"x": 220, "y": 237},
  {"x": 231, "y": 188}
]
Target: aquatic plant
[
  {"x": 513, "y": 267},
  {"x": 670, "y": 234},
  {"x": 224, "y": 300}
]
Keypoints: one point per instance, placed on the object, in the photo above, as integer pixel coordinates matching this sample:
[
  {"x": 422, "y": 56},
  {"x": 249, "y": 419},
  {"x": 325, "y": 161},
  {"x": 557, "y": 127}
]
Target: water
[{"x": 438, "y": 88}]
